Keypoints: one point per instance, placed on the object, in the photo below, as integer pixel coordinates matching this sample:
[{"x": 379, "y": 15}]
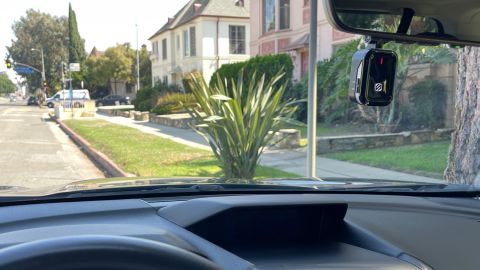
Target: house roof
[
  {"x": 95, "y": 52},
  {"x": 196, "y": 8}
]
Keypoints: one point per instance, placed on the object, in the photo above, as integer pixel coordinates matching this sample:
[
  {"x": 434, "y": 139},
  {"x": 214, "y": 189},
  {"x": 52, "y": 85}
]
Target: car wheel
[{"x": 50, "y": 105}]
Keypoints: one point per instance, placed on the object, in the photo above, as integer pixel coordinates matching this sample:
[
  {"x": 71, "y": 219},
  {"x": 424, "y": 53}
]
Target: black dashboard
[{"x": 297, "y": 231}]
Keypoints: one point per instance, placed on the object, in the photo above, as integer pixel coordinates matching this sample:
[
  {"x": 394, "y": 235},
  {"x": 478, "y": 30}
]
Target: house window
[
  {"x": 165, "y": 80},
  {"x": 268, "y": 15},
  {"x": 189, "y": 42},
  {"x": 155, "y": 48},
  {"x": 237, "y": 39},
  {"x": 186, "y": 43},
  {"x": 284, "y": 14},
  {"x": 178, "y": 43},
  {"x": 193, "y": 45},
  {"x": 164, "y": 49}
]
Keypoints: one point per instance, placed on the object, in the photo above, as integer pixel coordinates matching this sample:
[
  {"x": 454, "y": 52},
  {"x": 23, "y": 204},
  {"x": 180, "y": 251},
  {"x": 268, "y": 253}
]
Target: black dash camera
[{"x": 372, "y": 77}]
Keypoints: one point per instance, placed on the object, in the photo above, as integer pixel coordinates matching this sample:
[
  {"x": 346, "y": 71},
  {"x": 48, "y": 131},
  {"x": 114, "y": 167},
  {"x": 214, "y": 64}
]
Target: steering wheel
[{"x": 100, "y": 252}]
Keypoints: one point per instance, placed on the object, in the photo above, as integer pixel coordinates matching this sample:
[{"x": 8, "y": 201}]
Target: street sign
[
  {"x": 74, "y": 67},
  {"x": 23, "y": 70}
]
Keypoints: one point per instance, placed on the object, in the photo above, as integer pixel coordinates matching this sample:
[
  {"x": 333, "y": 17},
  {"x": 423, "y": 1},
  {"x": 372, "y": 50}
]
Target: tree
[
  {"x": 76, "y": 47},
  {"x": 145, "y": 68},
  {"x": 115, "y": 65},
  {"x": 38, "y": 30},
  {"x": 96, "y": 76},
  {"x": 119, "y": 64},
  {"x": 6, "y": 85},
  {"x": 463, "y": 158}
]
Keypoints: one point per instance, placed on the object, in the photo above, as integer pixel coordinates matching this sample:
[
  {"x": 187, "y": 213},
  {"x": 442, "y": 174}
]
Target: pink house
[{"x": 283, "y": 26}]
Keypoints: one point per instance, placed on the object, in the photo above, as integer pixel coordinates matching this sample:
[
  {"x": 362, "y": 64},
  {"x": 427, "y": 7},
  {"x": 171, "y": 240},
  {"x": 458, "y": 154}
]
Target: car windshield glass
[{"x": 217, "y": 92}]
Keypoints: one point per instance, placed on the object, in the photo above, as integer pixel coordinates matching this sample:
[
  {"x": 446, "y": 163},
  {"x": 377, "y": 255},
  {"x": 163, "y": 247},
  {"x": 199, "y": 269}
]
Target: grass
[
  {"x": 146, "y": 155},
  {"x": 430, "y": 158}
]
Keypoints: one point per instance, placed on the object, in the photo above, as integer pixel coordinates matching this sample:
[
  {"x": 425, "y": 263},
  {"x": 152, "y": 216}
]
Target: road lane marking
[{"x": 12, "y": 120}]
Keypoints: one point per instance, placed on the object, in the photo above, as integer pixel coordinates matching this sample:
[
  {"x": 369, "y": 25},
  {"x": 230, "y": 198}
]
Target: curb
[{"x": 101, "y": 160}]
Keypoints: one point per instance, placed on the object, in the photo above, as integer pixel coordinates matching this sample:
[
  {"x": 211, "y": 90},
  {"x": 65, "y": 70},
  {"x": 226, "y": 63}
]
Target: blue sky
[{"x": 102, "y": 23}]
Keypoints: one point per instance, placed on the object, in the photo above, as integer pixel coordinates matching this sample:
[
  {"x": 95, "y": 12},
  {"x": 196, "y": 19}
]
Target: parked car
[
  {"x": 112, "y": 100},
  {"x": 32, "y": 100},
  {"x": 13, "y": 98},
  {"x": 78, "y": 95}
]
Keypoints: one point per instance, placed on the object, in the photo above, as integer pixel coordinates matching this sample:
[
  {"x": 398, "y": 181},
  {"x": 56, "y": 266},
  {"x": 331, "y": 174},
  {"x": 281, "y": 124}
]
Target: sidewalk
[{"x": 293, "y": 161}]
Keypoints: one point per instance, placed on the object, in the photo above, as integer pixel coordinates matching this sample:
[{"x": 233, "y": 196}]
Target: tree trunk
[{"x": 464, "y": 156}]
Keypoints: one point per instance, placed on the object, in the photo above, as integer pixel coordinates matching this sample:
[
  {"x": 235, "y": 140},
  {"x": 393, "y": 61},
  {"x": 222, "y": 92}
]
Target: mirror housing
[
  {"x": 372, "y": 77},
  {"x": 456, "y": 29}
]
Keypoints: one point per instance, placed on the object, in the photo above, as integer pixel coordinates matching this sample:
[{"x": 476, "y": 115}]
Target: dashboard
[{"x": 288, "y": 231}]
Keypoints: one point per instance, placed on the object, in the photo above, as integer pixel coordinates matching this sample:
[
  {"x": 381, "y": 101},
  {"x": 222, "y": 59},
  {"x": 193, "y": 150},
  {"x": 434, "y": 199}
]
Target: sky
[{"x": 101, "y": 23}]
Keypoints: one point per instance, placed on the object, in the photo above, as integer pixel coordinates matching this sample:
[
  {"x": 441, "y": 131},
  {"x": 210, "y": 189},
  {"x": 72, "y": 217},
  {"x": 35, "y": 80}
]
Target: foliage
[
  {"x": 268, "y": 65},
  {"x": 333, "y": 80},
  {"x": 40, "y": 30},
  {"x": 173, "y": 103},
  {"x": 147, "y": 97},
  {"x": 76, "y": 46},
  {"x": 117, "y": 64},
  {"x": 427, "y": 104},
  {"x": 239, "y": 122},
  {"x": 145, "y": 67},
  {"x": 6, "y": 85}
]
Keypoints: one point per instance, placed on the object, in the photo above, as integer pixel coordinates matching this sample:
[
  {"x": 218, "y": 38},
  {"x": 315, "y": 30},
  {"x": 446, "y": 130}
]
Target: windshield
[{"x": 172, "y": 92}]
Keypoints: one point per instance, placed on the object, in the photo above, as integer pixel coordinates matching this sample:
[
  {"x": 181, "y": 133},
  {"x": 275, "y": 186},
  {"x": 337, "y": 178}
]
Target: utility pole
[
  {"x": 138, "y": 62},
  {"x": 312, "y": 93},
  {"x": 44, "y": 88},
  {"x": 44, "y": 79}
]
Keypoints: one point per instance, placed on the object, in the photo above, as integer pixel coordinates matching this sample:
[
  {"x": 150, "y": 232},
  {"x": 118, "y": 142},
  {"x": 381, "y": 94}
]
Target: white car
[{"x": 78, "y": 95}]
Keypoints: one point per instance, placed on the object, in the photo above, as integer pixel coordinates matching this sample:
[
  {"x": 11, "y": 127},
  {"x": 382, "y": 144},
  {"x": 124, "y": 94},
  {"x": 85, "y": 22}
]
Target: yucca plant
[{"x": 239, "y": 122}]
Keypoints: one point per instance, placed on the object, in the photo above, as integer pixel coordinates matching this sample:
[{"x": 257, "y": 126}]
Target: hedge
[{"x": 268, "y": 65}]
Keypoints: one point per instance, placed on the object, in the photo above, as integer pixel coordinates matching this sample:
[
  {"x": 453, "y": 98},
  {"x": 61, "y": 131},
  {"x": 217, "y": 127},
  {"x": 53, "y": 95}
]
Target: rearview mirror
[
  {"x": 372, "y": 77},
  {"x": 408, "y": 21}
]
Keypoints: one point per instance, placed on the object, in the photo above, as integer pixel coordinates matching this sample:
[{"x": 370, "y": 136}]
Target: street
[{"x": 34, "y": 152}]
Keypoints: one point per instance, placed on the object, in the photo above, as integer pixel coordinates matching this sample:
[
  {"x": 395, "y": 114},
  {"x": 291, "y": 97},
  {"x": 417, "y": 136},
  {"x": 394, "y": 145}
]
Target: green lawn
[
  {"x": 146, "y": 155},
  {"x": 428, "y": 158}
]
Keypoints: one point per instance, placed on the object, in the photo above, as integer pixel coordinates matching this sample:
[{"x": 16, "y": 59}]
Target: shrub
[
  {"x": 427, "y": 102},
  {"x": 238, "y": 127},
  {"x": 146, "y": 98},
  {"x": 268, "y": 65},
  {"x": 173, "y": 103},
  {"x": 164, "y": 109}
]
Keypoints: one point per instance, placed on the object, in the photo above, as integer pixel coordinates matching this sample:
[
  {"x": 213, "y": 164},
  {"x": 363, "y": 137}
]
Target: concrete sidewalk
[{"x": 293, "y": 161}]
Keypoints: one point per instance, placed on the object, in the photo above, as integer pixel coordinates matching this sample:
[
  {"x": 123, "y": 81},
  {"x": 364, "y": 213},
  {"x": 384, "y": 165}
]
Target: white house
[{"x": 201, "y": 37}]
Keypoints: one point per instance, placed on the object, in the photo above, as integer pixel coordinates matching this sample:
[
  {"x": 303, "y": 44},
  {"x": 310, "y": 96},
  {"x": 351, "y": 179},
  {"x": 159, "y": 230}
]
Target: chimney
[{"x": 197, "y": 6}]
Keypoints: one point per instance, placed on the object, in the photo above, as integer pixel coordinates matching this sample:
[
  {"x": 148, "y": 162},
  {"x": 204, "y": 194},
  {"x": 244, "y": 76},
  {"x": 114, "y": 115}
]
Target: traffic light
[
  {"x": 8, "y": 63},
  {"x": 64, "y": 68}
]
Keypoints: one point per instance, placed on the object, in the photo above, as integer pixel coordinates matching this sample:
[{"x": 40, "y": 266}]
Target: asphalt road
[{"x": 34, "y": 151}]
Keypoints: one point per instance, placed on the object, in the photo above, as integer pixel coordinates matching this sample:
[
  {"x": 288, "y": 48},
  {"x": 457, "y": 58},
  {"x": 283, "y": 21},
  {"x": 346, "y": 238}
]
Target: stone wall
[
  {"x": 178, "y": 120},
  {"x": 357, "y": 142}
]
